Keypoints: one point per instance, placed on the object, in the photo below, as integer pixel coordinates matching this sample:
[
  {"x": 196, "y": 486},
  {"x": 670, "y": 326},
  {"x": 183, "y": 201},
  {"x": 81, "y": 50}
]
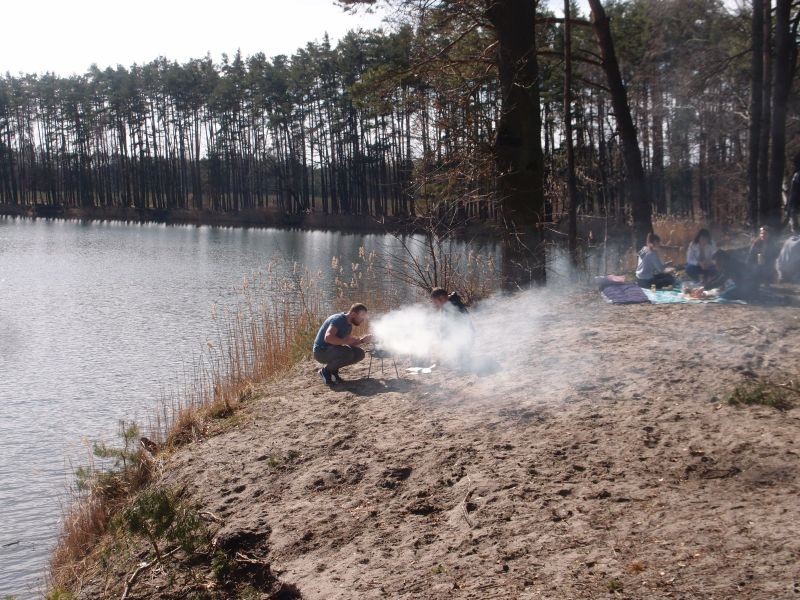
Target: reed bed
[
  {"x": 96, "y": 496},
  {"x": 267, "y": 330}
]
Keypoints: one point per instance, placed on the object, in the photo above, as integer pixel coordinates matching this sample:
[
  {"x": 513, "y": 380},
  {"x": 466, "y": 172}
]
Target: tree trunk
[
  {"x": 780, "y": 96},
  {"x": 658, "y": 150},
  {"x": 766, "y": 113},
  {"x": 572, "y": 188},
  {"x": 637, "y": 189},
  {"x": 518, "y": 150},
  {"x": 757, "y": 76}
]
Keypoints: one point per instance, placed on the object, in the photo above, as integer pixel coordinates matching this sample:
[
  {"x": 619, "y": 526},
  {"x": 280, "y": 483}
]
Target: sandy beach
[{"x": 602, "y": 459}]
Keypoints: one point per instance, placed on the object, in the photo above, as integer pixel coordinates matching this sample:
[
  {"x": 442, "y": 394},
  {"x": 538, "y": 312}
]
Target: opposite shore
[{"x": 243, "y": 218}]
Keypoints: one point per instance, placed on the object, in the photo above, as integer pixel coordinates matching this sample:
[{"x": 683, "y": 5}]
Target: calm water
[{"x": 94, "y": 320}]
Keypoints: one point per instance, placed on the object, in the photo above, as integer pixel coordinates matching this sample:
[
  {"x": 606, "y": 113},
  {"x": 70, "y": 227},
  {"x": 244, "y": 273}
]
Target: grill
[{"x": 377, "y": 353}]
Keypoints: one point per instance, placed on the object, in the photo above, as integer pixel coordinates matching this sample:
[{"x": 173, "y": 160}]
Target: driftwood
[
  {"x": 142, "y": 568},
  {"x": 243, "y": 558},
  {"x": 209, "y": 516}
]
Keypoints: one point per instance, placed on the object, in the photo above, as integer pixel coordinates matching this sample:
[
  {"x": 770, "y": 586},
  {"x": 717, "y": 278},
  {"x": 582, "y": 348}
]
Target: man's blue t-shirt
[{"x": 343, "y": 329}]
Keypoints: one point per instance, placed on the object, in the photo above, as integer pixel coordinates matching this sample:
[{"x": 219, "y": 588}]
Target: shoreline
[
  {"x": 247, "y": 219},
  {"x": 270, "y": 218},
  {"x": 244, "y": 219}
]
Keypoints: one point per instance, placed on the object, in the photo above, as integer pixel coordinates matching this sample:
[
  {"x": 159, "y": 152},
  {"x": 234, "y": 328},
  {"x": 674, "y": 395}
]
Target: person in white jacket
[
  {"x": 700, "y": 257},
  {"x": 650, "y": 271}
]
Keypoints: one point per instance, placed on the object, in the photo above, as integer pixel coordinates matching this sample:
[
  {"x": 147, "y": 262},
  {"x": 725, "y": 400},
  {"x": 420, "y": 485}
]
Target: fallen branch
[
  {"x": 241, "y": 557},
  {"x": 209, "y": 516},
  {"x": 142, "y": 568}
]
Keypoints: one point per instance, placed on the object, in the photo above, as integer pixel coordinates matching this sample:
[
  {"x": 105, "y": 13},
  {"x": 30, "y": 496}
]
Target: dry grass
[
  {"x": 677, "y": 233},
  {"x": 758, "y": 393},
  {"x": 88, "y": 516},
  {"x": 265, "y": 332}
]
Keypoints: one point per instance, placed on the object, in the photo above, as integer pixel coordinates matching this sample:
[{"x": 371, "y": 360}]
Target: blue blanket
[{"x": 677, "y": 297}]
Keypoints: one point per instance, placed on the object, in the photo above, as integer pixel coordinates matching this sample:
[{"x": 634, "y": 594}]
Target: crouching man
[{"x": 334, "y": 345}]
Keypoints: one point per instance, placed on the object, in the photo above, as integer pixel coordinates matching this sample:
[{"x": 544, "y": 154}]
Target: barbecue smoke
[
  {"x": 430, "y": 336},
  {"x": 498, "y": 330}
]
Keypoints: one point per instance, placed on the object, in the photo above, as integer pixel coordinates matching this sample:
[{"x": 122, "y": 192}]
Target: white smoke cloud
[
  {"x": 431, "y": 336},
  {"x": 499, "y": 330}
]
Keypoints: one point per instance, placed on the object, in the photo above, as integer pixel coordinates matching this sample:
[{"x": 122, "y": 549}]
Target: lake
[{"x": 95, "y": 319}]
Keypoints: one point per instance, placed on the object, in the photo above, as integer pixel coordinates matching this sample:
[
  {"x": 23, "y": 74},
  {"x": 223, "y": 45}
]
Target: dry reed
[
  {"x": 265, "y": 332},
  {"x": 89, "y": 513}
]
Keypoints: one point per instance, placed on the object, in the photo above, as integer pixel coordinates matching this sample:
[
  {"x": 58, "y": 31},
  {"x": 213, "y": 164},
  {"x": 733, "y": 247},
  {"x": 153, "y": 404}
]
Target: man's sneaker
[
  {"x": 325, "y": 375},
  {"x": 336, "y": 377}
]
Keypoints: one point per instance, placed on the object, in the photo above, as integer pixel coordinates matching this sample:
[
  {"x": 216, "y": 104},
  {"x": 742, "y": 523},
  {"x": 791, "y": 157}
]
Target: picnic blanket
[
  {"x": 624, "y": 293},
  {"x": 615, "y": 290},
  {"x": 677, "y": 297}
]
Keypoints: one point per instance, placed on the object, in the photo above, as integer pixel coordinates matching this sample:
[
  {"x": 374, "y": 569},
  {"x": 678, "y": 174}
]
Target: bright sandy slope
[{"x": 596, "y": 456}]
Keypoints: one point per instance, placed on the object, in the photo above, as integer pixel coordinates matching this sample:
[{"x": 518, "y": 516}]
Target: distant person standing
[
  {"x": 699, "y": 257},
  {"x": 440, "y": 298},
  {"x": 334, "y": 345},
  {"x": 762, "y": 255},
  {"x": 650, "y": 271},
  {"x": 456, "y": 330},
  {"x": 793, "y": 204}
]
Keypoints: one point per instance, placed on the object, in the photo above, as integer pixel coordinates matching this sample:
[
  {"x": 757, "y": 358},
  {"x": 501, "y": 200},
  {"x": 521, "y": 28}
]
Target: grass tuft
[{"x": 763, "y": 394}]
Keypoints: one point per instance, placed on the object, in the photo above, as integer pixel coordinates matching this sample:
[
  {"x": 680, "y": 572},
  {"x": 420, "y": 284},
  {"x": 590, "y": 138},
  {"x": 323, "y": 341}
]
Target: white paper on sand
[{"x": 421, "y": 370}]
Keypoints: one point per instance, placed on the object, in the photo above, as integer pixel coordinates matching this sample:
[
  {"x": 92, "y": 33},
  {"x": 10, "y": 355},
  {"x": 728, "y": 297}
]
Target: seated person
[
  {"x": 762, "y": 254},
  {"x": 740, "y": 280},
  {"x": 650, "y": 271},
  {"x": 699, "y": 261},
  {"x": 335, "y": 348},
  {"x": 793, "y": 201}
]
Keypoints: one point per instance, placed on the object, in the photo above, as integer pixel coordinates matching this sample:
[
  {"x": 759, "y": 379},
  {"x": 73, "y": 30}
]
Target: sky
[{"x": 67, "y": 36}]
